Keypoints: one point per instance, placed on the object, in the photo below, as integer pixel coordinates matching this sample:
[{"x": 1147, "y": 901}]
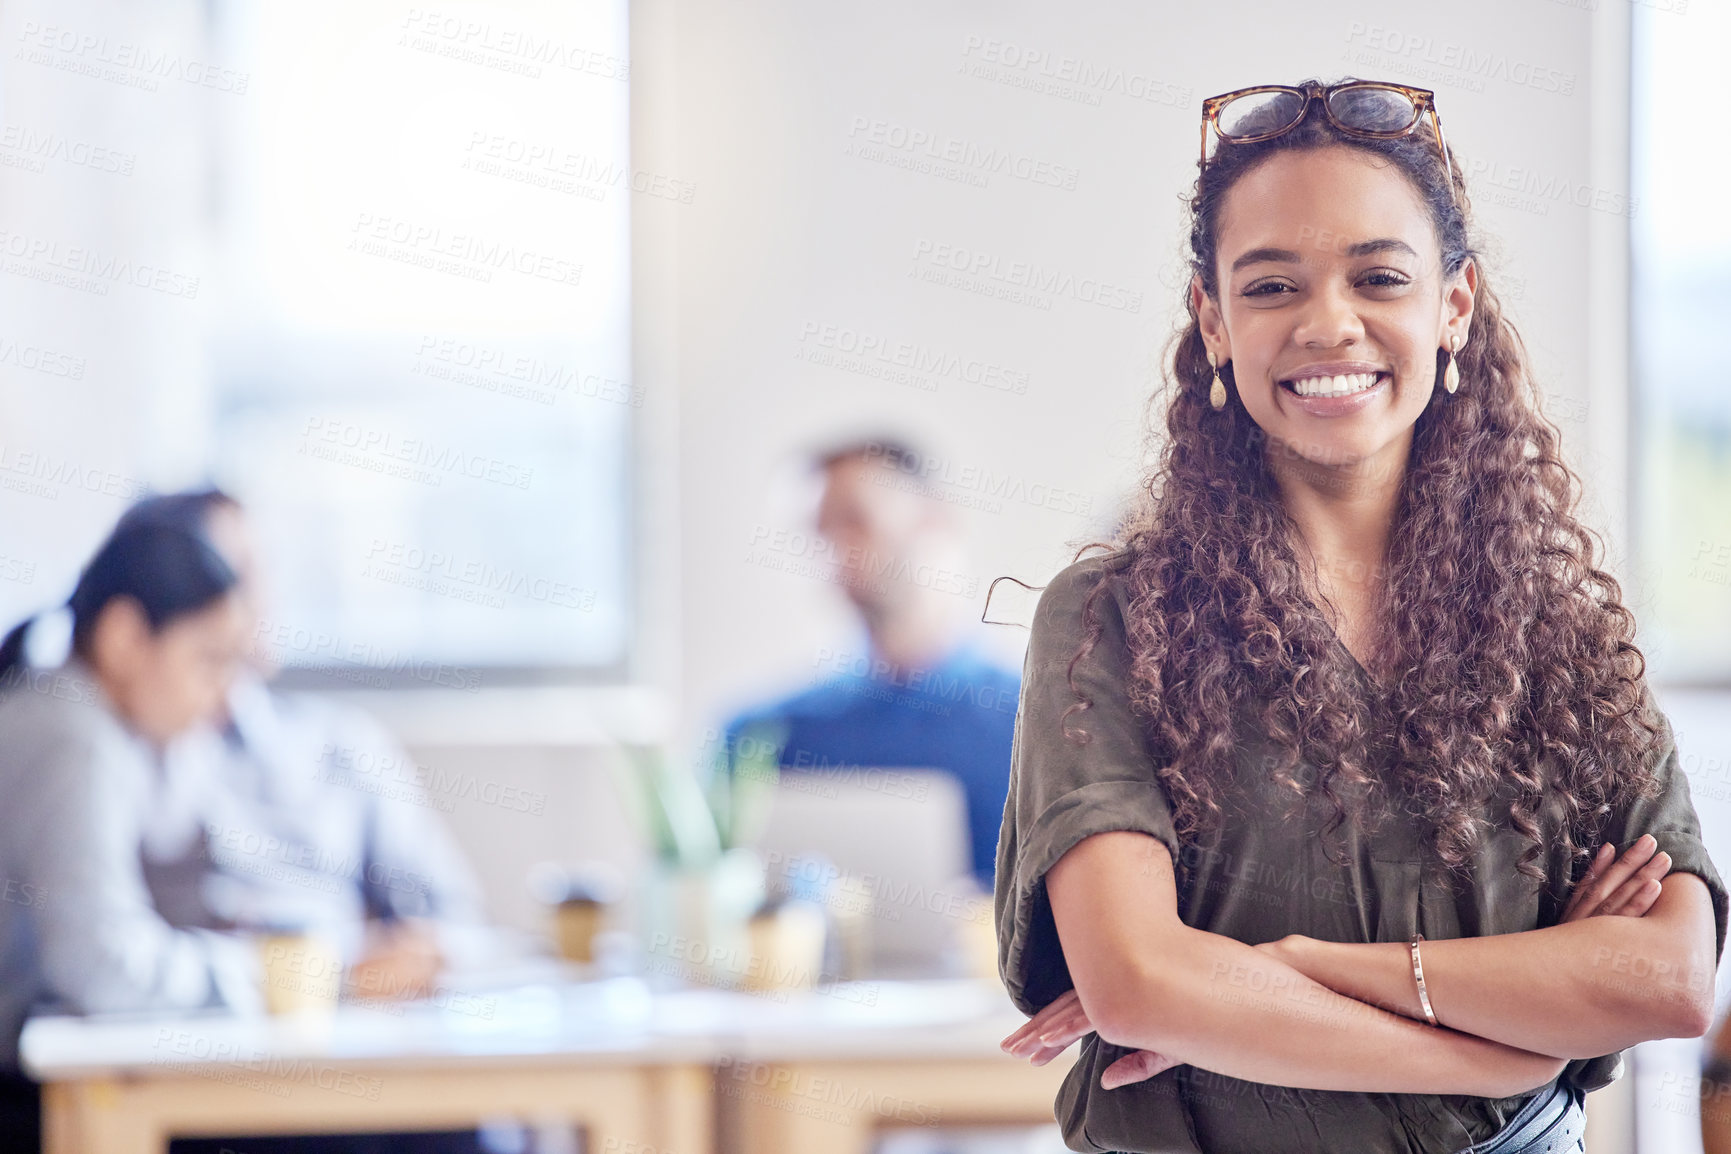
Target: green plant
[{"x": 691, "y": 823}]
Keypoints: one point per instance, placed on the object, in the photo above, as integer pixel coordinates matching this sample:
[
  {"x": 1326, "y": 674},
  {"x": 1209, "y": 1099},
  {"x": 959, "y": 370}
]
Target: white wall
[{"x": 102, "y": 187}]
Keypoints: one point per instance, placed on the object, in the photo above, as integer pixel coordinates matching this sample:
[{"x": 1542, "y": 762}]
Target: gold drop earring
[
  {"x": 1452, "y": 374},
  {"x": 1216, "y": 391}
]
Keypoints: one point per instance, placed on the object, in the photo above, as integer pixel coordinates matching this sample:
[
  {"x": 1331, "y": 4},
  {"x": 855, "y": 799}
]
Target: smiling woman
[{"x": 1311, "y": 766}]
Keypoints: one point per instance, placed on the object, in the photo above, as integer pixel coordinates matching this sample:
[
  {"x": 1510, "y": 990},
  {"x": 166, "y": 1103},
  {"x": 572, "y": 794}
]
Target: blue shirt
[{"x": 958, "y": 715}]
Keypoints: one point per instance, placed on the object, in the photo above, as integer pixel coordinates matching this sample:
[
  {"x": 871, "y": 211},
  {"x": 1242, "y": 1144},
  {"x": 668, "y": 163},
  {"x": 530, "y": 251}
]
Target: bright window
[
  {"x": 1682, "y": 301},
  {"x": 420, "y": 359}
]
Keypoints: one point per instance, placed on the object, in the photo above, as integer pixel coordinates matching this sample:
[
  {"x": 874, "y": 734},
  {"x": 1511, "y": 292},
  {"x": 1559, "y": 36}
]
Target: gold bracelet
[{"x": 1418, "y": 978}]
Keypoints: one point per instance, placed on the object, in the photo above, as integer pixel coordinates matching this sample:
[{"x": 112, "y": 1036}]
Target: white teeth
[{"x": 1337, "y": 386}]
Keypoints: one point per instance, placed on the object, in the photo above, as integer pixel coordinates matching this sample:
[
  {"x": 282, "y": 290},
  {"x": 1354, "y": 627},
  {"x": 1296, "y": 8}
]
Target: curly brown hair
[{"x": 1513, "y": 674}]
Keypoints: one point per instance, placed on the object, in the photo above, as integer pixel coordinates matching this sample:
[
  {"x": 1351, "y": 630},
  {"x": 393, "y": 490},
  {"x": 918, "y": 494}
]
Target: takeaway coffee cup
[{"x": 303, "y": 972}]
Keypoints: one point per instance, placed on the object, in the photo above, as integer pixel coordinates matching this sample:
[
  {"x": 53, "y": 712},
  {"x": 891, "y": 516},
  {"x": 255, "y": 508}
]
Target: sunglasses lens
[
  {"x": 1373, "y": 109},
  {"x": 1260, "y": 112}
]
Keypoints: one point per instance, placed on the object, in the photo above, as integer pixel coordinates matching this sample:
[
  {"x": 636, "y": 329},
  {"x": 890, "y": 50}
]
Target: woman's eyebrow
[
  {"x": 1362, "y": 248},
  {"x": 1380, "y": 244},
  {"x": 1257, "y": 255}
]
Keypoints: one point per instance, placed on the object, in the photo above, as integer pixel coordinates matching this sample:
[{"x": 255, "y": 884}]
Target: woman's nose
[{"x": 1328, "y": 318}]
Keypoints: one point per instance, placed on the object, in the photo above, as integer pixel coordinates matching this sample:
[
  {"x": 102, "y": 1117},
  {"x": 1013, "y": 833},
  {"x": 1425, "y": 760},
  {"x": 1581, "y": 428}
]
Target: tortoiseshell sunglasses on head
[{"x": 1370, "y": 108}]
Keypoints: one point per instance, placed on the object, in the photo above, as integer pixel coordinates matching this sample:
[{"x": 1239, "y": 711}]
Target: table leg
[
  {"x": 763, "y": 1122},
  {"x": 83, "y": 1117},
  {"x": 683, "y": 1103},
  {"x": 824, "y": 1107}
]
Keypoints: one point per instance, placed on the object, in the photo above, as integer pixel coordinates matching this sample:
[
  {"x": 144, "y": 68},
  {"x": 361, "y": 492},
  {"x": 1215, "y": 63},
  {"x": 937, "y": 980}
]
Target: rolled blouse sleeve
[
  {"x": 1064, "y": 789},
  {"x": 1669, "y": 815}
]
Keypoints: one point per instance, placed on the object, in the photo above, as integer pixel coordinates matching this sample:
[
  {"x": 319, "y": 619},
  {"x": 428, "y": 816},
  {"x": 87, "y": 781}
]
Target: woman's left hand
[
  {"x": 1624, "y": 886},
  {"x": 1050, "y": 1032}
]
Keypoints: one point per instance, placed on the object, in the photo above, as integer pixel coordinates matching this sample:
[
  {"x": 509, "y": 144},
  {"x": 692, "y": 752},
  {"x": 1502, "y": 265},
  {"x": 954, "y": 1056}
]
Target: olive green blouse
[{"x": 1259, "y": 879}]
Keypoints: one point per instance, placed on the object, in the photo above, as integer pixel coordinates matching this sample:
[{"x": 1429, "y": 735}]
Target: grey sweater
[
  {"x": 129, "y": 876},
  {"x": 79, "y": 929}
]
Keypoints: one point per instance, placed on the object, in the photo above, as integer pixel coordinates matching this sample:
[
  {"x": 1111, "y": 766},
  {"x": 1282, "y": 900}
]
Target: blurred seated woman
[{"x": 157, "y": 636}]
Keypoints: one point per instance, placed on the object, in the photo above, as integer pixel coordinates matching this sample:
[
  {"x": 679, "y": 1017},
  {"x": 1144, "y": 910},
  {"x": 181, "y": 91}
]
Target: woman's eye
[
  {"x": 1386, "y": 279},
  {"x": 1267, "y": 288}
]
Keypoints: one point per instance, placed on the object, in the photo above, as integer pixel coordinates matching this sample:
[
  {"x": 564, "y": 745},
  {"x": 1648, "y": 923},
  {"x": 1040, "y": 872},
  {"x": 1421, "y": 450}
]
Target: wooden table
[
  {"x": 681, "y": 1072},
  {"x": 828, "y": 1085}
]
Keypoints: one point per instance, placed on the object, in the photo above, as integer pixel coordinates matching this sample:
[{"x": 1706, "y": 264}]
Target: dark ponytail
[
  {"x": 12, "y": 649},
  {"x": 169, "y": 569}
]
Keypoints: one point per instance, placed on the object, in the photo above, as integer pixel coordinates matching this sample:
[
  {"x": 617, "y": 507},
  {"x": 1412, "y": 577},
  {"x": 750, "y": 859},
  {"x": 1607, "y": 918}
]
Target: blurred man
[
  {"x": 310, "y": 814},
  {"x": 307, "y": 815},
  {"x": 301, "y": 814},
  {"x": 919, "y": 693}
]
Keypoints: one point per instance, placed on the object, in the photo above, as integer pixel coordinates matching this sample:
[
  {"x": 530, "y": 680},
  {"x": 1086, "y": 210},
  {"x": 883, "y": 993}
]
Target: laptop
[{"x": 895, "y": 841}]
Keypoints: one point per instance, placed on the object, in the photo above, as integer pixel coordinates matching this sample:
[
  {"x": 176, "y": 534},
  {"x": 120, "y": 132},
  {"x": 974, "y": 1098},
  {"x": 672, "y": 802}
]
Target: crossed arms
[{"x": 1633, "y": 959}]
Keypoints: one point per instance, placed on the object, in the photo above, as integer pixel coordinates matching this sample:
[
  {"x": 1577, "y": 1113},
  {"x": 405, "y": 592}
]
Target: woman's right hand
[
  {"x": 1627, "y": 886},
  {"x": 1051, "y": 1031}
]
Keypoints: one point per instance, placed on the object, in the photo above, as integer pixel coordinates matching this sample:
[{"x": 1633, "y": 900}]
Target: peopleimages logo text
[{"x": 988, "y": 267}]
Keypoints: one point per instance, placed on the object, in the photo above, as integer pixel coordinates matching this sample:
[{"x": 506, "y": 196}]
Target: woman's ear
[
  {"x": 1209, "y": 321},
  {"x": 119, "y": 637},
  {"x": 1457, "y": 305}
]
